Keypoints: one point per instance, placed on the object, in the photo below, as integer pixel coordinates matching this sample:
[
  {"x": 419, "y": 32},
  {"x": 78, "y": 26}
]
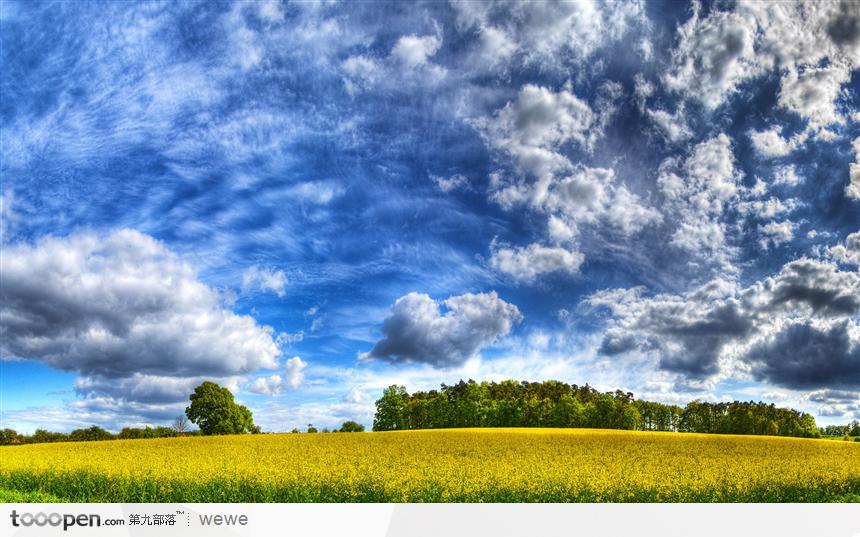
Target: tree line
[
  {"x": 557, "y": 404},
  {"x": 212, "y": 409}
]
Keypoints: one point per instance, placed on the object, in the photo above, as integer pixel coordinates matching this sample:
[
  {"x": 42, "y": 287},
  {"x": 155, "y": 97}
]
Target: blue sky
[{"x": 310, "y": 201}]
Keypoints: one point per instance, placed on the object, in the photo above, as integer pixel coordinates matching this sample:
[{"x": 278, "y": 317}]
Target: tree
[
  {"x": 214, "y": 411},
  {"x": 180, "y": 425},
  {"x": 390, "y": 409},
  {"x": 351, "y": 427},
  {"x": 93, "y": 433},
  {"x": 9, "y": 436},
  {"x": 311, "y": 428}
]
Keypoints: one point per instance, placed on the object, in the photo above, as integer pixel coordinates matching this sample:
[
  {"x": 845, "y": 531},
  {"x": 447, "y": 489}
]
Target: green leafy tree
[
  {"x": 9, "y": 436},
  {"x": 311, "y": 428},
  {"x": 214, "y": 411},
  {"x": 87, "y": 435},
  {"x": 351, "y": 427},
  {"x": 391, "y": 409}
]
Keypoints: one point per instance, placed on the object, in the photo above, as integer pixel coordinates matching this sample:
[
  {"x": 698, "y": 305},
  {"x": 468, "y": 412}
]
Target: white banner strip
[{"x": 432, "y": 520}]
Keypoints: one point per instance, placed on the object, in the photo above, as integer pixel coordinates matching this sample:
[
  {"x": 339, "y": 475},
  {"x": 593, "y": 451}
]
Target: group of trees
[
  {"x": 348, "y": 426},
  {"x": 852, "y": 429},
  {"x": 10, "y": 436},
  {"x": 557, "y": 404},
  {"x": 212, "y": 409}
]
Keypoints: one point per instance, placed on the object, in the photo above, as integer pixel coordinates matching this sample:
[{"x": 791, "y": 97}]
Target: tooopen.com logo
[{"x": 57, "y": 519}]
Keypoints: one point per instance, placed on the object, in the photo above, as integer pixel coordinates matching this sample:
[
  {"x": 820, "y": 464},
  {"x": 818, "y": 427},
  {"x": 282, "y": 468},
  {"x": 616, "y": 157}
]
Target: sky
[{"x": 308, "y": 202}]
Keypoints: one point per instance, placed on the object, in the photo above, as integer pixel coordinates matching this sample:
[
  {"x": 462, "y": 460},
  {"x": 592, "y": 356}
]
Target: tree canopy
[
  {"x": 215, "y": 412},
  {"x": 557, "y": 404},
  {"x": 350, "y": 426}
]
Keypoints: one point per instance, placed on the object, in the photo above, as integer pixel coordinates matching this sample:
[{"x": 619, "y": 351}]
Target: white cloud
[
  {"x": 532, "y": 128},
  {"x": 412, "y": 51},
  {"x": 776, "y": 233},
  {"x": 408, "y": 63},
  {"x": 672, "y": 126},
  {"x": 714, "y": 55},
  {"x": 417, "y": 331},
  {"x": 848, "y": 253},
  {"x": 319, "y": 192},
  {"x": 122, "y": 306},
  {"x": 361, "y": 72},
  {"x": 549, "y": 34},
  {"x": 816, "y": 45},
  {"x": 528, "y": 263},
  {"x": 812, "y": 93},
  {"x": 8, "y": 217},
  {"x": 496, "y": 49},
  {"x": 720, "y": 330},
  {"x": 264, "y": 279},
  {"x": 147, "y": 389},
  {"x": 292, "y": 379},
  {"x": 536, "y": 131},
  {"x": 767, "y": 209},
  {"x": 787, "y": 175},
  {"x": 769, "y": 143},
  {"x": 698, "y": 191},
  {"x": 853, "y": 188},
  {"x": 448, "y": 184}
]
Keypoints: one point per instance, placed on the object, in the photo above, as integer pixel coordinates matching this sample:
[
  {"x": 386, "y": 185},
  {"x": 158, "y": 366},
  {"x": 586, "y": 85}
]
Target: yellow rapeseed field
[{"x": 473, "y": 465}]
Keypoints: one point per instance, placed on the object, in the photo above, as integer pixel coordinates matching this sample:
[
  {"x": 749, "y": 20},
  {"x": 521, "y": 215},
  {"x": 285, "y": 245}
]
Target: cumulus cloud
[
  {"x": 699, "y": 190},
  {"x": 534, "y": 260},
  {"x": 770, "y": 143},
  {"x": 417, "y": 331},
  {"x": 790, "y": 329},
  {"x": 412, "y": 50},
  {"x": 687, "y": 331},
  {"x": 532, "y": 128},
  {"x": 549, "y": 34},
  {"x": 803, "y": 356},
  {"x": 848, "y": 253},
  {"x": 815, "y": 45},
  {"x": 812, "y": 93},
  {"x": 853, "y": 188},
  {"x": 673, "y": 126},
  {"x": 786, "y": 175},
  {"x": 294, "y": 376},
  {"x": 776, "y": 233},
  {"x": 714, "y": 55},
  {"x": 408, "y": 61},
  {"x": 589, "y": 194},
  {"x": 121, "y": 307},
  {"x": 146, "y": 389},
  {"x": 536, "y": 132}
]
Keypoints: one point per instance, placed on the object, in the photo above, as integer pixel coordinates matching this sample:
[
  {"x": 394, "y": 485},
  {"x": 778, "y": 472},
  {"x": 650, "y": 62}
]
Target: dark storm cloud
[
  {"x": 834, "y": 396},
  {"x": 416, "y": 331},
  {"x": 820, "y": 285},
  {"x": 802, "y": 356},
  {"x": 773, "y": 318},
  {"x": 121, "y": 305},
  {"x": 844, "y": 27}
]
